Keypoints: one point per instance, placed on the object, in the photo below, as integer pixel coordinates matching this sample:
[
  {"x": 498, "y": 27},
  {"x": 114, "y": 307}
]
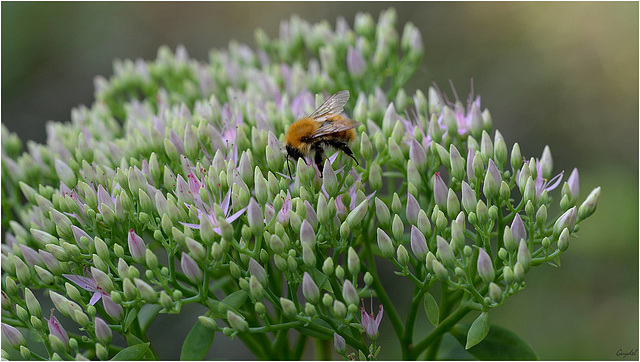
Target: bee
[{"x": 325, "y": 127}]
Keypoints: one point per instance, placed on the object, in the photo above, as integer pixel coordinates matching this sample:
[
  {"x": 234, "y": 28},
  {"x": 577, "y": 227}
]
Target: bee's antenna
[{"x": 289, "y": 167}]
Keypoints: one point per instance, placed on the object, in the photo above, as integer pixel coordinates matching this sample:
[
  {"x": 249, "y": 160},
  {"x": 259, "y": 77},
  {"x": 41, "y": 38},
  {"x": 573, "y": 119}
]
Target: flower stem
[
  {"x": 441, "y": 329},
  {"x": 322, "y": 349}
]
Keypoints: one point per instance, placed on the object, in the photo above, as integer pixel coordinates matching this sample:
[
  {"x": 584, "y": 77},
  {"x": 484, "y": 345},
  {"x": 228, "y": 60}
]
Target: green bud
[
  {"x": 439, "y": 270},
  {"x": 397, "y": 227},
  {"x": 289, "y": 308},
  {"x": 495, "y": 293},
  {"x": 339, "y": 309},
  {"x": 308, "y": 256},
  {"x": 445, "y": 252},
  {"x": 385, "y": 245},
  {"x": 44, "y": 275},
  {"x": 588, "y": 207},
  {"x": 508, "y": 275},
  {"x": 353, "y": 262},
  {"x": 518, "y": 272},
  {"x": 482, "y": 212},
  {"x": 32, "y": 303},
  {"x": 563, "y": 240},
  {"x": 339, "y": 272},
  {"x": 516, "y": 157},
  {"x": 65, "y": 173},
  {"x": 375, "y": 176},
  {"x": 402, "y": 255},
  {"x": 453, "y": 205},
  {"x": 327, "y": 300}
]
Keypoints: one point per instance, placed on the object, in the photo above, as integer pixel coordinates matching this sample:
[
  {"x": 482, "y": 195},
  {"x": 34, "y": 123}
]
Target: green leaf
[
  {"x": 132, "y": 340},
  {"x": 362, "y": 356},
  {"x": 131, "y": 316},
  {"x": 147, "y": 314},
  {"x": 197, "y": 343},
  {"x": 214, "y": 307},
  {"x": 432, "y": 309},
  {"x": 234, "y": 301},
  {"x": 132, "y": 353},
  {"x": 478, "y": 330},
  {"x": 500, "y": 344},
  {"x": 319, "y": 277}
]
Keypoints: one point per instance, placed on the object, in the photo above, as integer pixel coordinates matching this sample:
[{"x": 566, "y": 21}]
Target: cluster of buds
[{"x": 182, "y": 197}]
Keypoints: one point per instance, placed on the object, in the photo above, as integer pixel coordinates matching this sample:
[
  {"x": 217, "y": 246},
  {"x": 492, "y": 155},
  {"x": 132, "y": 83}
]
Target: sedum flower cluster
[{"x": 172, "y": 189}]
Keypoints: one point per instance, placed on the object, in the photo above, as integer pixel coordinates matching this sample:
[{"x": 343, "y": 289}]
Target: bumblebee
[{"x": 325, "y": 127}]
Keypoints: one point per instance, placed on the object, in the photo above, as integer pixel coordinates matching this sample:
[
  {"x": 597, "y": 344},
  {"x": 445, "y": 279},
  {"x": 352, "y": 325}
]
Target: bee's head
[{"x": 293, "y": 153}]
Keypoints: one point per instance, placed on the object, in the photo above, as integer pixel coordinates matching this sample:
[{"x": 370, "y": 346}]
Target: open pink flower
[
  {"x": 371, "y": 323},
  {"x": 88, "y": 284}
]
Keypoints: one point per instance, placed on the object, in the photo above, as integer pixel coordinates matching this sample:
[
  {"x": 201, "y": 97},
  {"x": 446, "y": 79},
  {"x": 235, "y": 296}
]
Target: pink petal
[
  {"x": 95, "y": 298},
  {"x": 83, "y": 282}
]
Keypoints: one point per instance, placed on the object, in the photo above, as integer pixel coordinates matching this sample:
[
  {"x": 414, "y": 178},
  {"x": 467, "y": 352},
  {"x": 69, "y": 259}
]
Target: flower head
[
  {"x": 371, "y": 323},
  {"x": 89, "y": 284}
]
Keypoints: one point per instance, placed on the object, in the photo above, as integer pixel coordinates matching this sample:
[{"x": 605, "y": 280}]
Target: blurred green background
[{"x": 557, "y": 74}]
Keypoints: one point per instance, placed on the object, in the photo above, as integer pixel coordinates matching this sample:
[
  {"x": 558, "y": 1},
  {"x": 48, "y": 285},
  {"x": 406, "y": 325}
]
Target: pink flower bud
[
  {"x": 517, "y": 229},
  {"x": 56, "y": 329},
  {"x": 13, "y": 336},
  {"x": 103, "y": 332},
  {"x": 485, "y": 267},
  {"x": 309, "y": 288},
  {"x": 339, "y": 343},
  {"x": 112, "y": 309},
  {"x": 137, "y": 247},
  {"x": 190, "y": 268},
  {"x": 307, "y": 235},
  {"x": 574, "y": 183},
  {"x": 440, "y": 191},
  {"x": 413, "y": 209},
  {"x": 256, "y": 269},
  {"x": 30, "y": 256},
  {"x": 418, "y": 243}
]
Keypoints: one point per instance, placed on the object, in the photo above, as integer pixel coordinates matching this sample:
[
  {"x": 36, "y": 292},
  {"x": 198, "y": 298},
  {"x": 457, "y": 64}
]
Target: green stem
[
  {"x": 441, "y": 329},
  {"x": 299, "y": 349},
  {"x": 322, "y": 349}
]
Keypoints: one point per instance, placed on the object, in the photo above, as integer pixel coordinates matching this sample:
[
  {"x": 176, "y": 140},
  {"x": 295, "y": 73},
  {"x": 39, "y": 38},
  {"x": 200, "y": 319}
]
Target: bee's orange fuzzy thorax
[{"x": 300, "y": 129}]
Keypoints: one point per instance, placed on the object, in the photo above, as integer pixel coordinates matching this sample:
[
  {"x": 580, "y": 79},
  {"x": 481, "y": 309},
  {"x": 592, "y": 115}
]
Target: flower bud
[
  {"x": 439, "y": 270},
  {"x": 402, "y": 255},
  {"x": 237, "y": 322},
  {"x": 136, "y": 246},
  {"x": 356, "y": 215},
  {"x": 289, "y": 308},
  {"x": 366, "y": 149},
  {"x": 482, "y": 212},
  {"x": 589, "y": 205},
  {"x": 375, "y": 176},
  {"x": 495, "y": 293},
  {"x": 255, "y": 217},
  {"x": 339, "y": 344},
  {"x": 65, "y": 173},
  {"x": 453, "y": 205},
  {"x": 339, "y": 309},
  {"x": 546, "y": 163},
  {"x": 485, "y": 267},
  {"x": 418, "y": 243},
  {"x": 478, "y": 166},
  {"x": 440, "y": 191},
  {"x": 566, "y": 220},
  {"x": 468, "y": 198},
  {"x": 563, "y": 240},
  {"x": 191, "y": 269},
  {"x": 349, "y": 293},
  {"x": 445, "y": 253},
  {"x": 353, "y": 262},
  {"x": 518, "y": 272},
  {"x": 257, "y": 270},
  {"x": 509, "y": 240},
  {"x": 255, "y": 288},
  {"x": 308, "y": 256},
  {"x": 384, "y": 244},
  {"x": 103, "y": 332},
  {"x": 529, "y": 191},
  {"x": 130, "y": 291},
  {"x": 309, "y": 288},
  {"x": 457, "y": 163},
  {"x": 13, "y": 336},
  {"x": 397, "y": 227},
  {"x": 22, "y": 270},
  {"x": 146, "y": 291},
  {"x": 307, "y": 235},
  {"x": 524, "y": 256}
]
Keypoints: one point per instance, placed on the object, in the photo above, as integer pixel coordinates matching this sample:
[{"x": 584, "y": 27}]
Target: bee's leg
[
  {"x": 345, "y": 148},
  {"x": 318, "y": 158}
]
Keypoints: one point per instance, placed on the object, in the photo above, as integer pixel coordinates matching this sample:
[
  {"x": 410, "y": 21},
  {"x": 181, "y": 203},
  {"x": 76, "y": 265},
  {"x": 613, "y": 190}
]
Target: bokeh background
[{"x": 557, "y": 74}]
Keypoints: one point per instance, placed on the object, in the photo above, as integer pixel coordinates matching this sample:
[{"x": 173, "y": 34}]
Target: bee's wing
[
  {"x": 333, "y": 127},
  {"x": 332, "y": 106}
]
